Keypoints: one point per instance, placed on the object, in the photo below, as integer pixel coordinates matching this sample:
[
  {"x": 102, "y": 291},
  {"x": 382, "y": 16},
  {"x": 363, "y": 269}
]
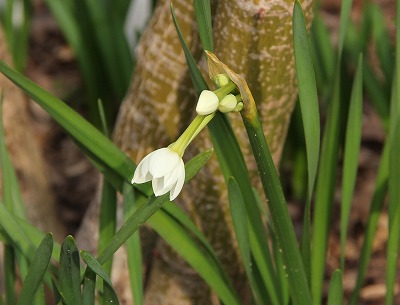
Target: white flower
[
  {"x": 207, "y": 103},
  {"x": 166, "y": 170}
]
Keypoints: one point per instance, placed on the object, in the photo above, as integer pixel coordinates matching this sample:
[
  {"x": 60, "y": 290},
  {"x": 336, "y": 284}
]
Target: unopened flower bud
[
  {"x": 228, "y": 103},
  {"x": 221, "y": 80},
  {"x": 207, "y": 103},
  {"x": 238, "y": 107}
]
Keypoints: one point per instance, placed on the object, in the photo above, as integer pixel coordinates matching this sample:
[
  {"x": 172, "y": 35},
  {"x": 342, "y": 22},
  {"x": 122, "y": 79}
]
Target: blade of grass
[
  {"x": 202, "y": 10},
  {"x": 196, "y": 76},
  {"x": 107, "y": 28},
  {"x": 9, "y": 274},
  {"x": 351, "y": 153},
  {"x": 394, "y": 218},
  {"x": 10, "y": 188},
  {"x": 323, "y": 54},
  {"x": 335, "y": 295},
  {"x": 382, "y": 41},
  {"x": 280, "y": 266},
  {"x": 310, "y": 115},
  {"x": 133, "y": 248},
  {"x": 36, "y": 271},
  {"x": 377, "y": 202},
  {"x": 239, "y": 219},
  {"x": 307, "y": 93},
  {"x": 282, "y": 223},
  {"x": 108, "y": 219},
  {"x": 69, "y": 273},
  {"x": 109, "y": 295},
  {"x": 16, "y": 21},
  {"x": 393, "y": 243},
  {"x": 89, "y": 287},
  {"x": 327, "y": 170},
  {"x": 324, "y": 194},
  {"x": 23, "y": 234},
  {"x": 101, "y": 148}
]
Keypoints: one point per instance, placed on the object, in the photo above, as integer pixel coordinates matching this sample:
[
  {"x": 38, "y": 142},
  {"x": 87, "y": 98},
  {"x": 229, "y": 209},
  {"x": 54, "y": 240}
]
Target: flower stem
[
  {"x": 225, "y": 90},
  {"x": 190, "y": 133},
  {"x": 281, "y": 220}
]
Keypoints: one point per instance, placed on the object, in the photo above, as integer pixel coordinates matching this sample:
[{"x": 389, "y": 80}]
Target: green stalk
[{"x": 282, "y": 224}]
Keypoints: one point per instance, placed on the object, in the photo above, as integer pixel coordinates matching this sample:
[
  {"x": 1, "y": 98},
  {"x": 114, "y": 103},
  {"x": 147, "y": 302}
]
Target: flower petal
[
  {"x": 176, "y": 189},
  {"x": 163, "y": 161},
  {"x": 142, "y": 174},
  {"x": 158, "y": 186}
]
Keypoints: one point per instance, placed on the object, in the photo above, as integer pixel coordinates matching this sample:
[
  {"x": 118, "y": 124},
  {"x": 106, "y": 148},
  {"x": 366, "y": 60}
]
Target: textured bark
[
  {"x": 254, "y": 39},
  {"x": 26, "y": 155}
]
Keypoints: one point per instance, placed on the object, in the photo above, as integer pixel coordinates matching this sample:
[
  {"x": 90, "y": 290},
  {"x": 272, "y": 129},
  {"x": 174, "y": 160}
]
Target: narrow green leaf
[
  {"x": 17, "y": 29},
  {"x": 15, "y": 232},
  {"x": 195, "y": 73},
  {"x": 308, "y": 94},
  {"x": 103, "y": 118},
  {"x": 377, "y": 203},
  {"x": 327, "y": 169},
  {"x": 345, "y": 10},
  {"x": 10, "y": 188},
  {"x": 36, "y": 271},
  {"x": 94, "y": 265},
  {"x": 335, "y": 296},
  {"x": 240, "y": 225},
  {"x": 133, "y": 248},
  {"x": 101, "y": 148},
  {"x": 202, "y": 10},
  {"x": 89, "y": 287},
  {"x": 308, "y": 98},
  {"x": 23, "y": 235},
  {"x": 323, "y": 54},
  {"x": 351, "y": 153},
  {"x": 280, "y": 266},
  {"x": 393, "y": 243},
  {"x": 108, "y": 219},
  {"x": 9, "y": 274},
  {"x": 382, "y": 39},
  {"x": 324, "y": 193},
  {"x": 282, "y": 224},
  {"x": 69, "y": 273},
  {"x": 111, "y": 43}
]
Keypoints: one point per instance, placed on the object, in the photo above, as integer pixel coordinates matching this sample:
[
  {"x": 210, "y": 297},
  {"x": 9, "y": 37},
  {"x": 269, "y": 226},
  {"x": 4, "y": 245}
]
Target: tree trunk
[{"x": 254, "y": 38}]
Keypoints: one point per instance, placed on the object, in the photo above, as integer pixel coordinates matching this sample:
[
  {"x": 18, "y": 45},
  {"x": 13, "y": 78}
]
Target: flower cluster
[{"x": 164, "y": 167}]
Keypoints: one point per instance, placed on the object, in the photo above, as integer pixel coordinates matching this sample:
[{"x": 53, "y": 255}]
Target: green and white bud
[
  {"x": 207, "y": 103},
  {"x": 228, "y": 103},
  {"x": 221, "y": 80}
]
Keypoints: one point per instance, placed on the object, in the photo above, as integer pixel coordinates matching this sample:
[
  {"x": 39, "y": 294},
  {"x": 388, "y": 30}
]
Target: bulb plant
[{"x": 280, "y": 267}]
